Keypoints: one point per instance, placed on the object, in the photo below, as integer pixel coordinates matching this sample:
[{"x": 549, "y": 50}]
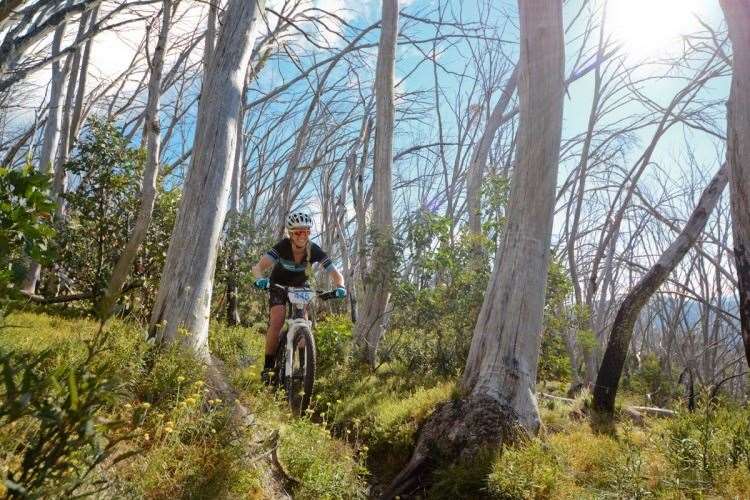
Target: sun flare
[{"x": 650, "y": 28}]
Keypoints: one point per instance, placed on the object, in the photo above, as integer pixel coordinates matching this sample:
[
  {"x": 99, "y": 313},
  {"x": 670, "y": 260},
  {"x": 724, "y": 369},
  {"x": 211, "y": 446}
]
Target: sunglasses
[{"x": 300, "y": 232}]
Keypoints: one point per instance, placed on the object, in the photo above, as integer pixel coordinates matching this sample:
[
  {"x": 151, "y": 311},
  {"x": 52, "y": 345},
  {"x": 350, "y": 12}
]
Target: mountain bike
[{"x": 296, "y": 354}]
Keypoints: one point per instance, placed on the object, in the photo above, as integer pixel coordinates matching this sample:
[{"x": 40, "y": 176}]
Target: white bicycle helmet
[{"x": 298, "y": 220}]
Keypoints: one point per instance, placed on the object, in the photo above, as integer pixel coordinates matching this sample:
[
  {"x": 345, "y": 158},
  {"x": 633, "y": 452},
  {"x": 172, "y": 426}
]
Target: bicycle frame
[{"x": 295, "y": 320}]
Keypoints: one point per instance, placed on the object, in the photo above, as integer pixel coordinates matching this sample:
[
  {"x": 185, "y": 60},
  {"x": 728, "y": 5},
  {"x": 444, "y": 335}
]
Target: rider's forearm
[
  {"x": 259, "y": 270},
  {"x": 337, "y": 278}
]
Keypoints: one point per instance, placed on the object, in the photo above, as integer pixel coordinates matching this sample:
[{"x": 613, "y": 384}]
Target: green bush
[
  {"x": 531, "y": 471},
  {"x": 25, "y": 229},
  {"x": 653, "y": 381},
  {"x": 100, "y": 211},
  {"x": 169, "y": 371},
  {"x": 179, "y": 441},
  {"x": 333, "y": 338},
  {"x": 53, "y": 411},
  {"x": 463, "y": 480},
  {"x": 699, "y": 445}
]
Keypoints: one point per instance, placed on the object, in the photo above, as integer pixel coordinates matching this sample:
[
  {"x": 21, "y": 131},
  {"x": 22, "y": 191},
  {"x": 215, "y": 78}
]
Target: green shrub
[
  {"x": 170, "y": 371},
  {"x": 182, "y": 442},
  {"x": 703, "y": 446},
  {"x": 381, "y": 411},
  {"x": 333, "y": 338},
  {"x": 53, "y": 410},
  {"x": 25, "y": 229},
  {"x": 463, "y": 480},
  {"x": 530, "y": 471},
  {"x": 100, "y": 216}
]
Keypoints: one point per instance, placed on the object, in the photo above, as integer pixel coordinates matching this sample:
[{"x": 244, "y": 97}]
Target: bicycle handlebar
[{"x": 321, "y": 294}]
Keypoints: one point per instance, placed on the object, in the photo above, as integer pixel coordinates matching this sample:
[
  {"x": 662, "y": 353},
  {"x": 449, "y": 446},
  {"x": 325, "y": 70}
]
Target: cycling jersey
[{"x": 286, "y": 271}]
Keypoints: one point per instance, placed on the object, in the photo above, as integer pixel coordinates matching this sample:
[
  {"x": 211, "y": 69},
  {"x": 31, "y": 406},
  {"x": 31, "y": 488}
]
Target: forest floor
[{"x": 178, "y": 441}]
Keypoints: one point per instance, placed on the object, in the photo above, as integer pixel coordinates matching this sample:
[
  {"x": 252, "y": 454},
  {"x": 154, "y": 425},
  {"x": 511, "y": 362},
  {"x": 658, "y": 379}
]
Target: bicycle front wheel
[{"x": 299, "y": 383}]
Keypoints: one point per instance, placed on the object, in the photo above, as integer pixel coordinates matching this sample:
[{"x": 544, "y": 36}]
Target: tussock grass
[
  {"x": 360, "y": 429},
  {"x": 692, "y": 455},
  {"x": 181, "y": 443}
]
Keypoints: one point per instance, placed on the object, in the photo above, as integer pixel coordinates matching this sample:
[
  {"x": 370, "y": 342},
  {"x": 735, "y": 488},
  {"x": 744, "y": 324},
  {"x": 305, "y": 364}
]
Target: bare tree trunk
[
  {"x": 152, "y": 132},
  {"x": 208, "y": 49},
  {"x": 51, "y": 137},
  {"x": 512, "y": 309},
  {"x": 582, "y": 172},
  {"x": 77, "y": 117},
  {"x": 372, "y": 315},
  {"x": 737, "y": 14},
  {"x": 233, "y": 313},
  {"x": 500, "y": 375},
  {"x": 184, "y": 298},
  {"x": 608, "y": 379},
  {"x": 358, "y": 199},
  {"x": 73, "y": 62}
]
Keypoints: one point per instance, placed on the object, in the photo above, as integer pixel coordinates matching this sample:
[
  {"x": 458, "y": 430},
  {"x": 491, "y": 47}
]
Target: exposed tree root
[
  {"x": 457, "y": 431},
  {"x": 277, "y": 480},
  {"x": 220, "y": 387}
]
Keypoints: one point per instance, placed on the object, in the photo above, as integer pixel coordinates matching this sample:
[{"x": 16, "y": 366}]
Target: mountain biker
[{"x": 291, "y": 259}]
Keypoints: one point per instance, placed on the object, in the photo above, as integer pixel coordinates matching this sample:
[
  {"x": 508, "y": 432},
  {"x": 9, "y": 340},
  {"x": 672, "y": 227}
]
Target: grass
[
  {"x": 358, "y": 433},
  {"x": 670, "y": 458},
  {"x": 181, "y": 442}
]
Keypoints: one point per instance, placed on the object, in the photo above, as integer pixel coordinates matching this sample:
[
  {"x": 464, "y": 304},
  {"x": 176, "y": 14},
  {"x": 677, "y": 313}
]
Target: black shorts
[{"x": 277, "y": 297}]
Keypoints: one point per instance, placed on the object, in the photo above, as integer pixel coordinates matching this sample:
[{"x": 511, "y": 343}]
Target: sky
[{"x": 646, "y": 29}]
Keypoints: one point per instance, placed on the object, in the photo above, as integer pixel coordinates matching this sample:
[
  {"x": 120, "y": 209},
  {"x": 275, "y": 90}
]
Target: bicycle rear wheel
[{"x": 299, "y": 383}]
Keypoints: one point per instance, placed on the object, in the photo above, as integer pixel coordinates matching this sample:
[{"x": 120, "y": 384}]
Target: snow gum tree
[
  {"x": 498, "y": 400},
  {"x": 737, "y": 13},
  {"x": 182, "y": 307},
  {"x": 372, "y": 312}
]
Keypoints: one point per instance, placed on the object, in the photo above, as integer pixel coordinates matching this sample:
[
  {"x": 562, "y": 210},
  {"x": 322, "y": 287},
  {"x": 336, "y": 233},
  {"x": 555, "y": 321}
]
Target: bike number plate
[{"x": 300, "y": 296}]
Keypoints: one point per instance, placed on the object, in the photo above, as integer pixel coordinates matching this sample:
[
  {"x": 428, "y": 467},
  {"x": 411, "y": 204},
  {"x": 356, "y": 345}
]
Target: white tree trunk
[
  {"x": 737, "y": 14},
  {"x": 502, "y": 362},
  {"x": 152, "y": 133},
  {"x": 51, "y": 136},
  {"x": 372, "y": 313},
  {"x": 183, "y": 303},
  {"x": 72, "y": 65},
  {"x": 77, "y": 117}
]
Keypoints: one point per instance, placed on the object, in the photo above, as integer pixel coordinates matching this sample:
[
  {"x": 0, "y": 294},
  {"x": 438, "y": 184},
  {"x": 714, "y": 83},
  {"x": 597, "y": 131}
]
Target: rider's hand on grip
[
  {"x": 340, "y": 292},
  {"x": 262, "y": 283}
]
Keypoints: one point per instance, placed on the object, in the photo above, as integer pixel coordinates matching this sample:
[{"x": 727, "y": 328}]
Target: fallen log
[
  {"x": 40, "y": 299},
  {"x": 631, "y": 410}
]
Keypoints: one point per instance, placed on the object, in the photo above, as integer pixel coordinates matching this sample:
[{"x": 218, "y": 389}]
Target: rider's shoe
[{"x": 267, "y": 376}]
